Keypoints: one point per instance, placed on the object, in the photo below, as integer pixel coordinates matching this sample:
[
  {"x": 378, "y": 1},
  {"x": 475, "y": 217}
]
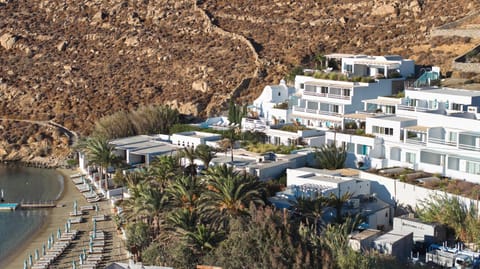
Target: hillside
[{"x": 74, "y": 61}]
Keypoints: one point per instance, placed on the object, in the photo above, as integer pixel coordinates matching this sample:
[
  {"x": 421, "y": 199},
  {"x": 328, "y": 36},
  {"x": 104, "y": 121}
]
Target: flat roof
[
  {"x": 387, "y": 102},
  {"x": 133, "y": 140},
  {"x": 418, "y": 128},
  {"x": 165, "y": 148},
  {"x": 390, "y": 237},
  {"x": 197, "y": 134},
  {"x": 395, "y": 118},
  {"x": 449, "y": 91},
  {"x": 366, "y": 234},
  {"x": 339, "y": 55},
  {"x": 358, "y": 116},
  {"x": 331, "y": 83}
]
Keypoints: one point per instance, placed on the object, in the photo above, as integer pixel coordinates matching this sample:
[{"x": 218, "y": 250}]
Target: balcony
[
  {"x": 314, "y": 111},
  {"x": 414, "y": 108},
  {"x": 441, "y": 141},
  {"x": 327, "y": 95}
]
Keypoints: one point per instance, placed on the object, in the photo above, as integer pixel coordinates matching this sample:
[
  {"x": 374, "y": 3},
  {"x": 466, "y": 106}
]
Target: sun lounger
[
  {"x": 90, "y": 195},
  {"x": 99, "y": 218},
  {"x": 77, "y": 181},
  {"x": 94, "y": 200},
  {"x": 79, "y": 213},
  {"x": 75, "y": 220},
  {"x": 87, "y": 207}
]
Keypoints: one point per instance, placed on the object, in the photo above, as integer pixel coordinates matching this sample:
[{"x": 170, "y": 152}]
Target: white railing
[
  {"x": 327, "y": 95},
  {"x": 299, "y": 109},
  {"x": 414, "y": 141},
  {"x": 414, "y": 108},
  {"x": 469, "y": 147},
  {"x": 441, "y": 141}
]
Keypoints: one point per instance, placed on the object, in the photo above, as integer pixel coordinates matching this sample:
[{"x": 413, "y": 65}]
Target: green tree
[
  {"x": 236, "y": 112},
  {"x": 190, "y": 154},
  {"x": 331, "y": 157},
  {"x": 101, "y": 153},
  {"x": 452, "y": 212},
  {"x": 137, "y": 238},
  {"x": 229, "y": 193},
  {"x": 206, "y": 154},
  {"x": 184, "y": 192},
  {"x": 337, "y": 202}
]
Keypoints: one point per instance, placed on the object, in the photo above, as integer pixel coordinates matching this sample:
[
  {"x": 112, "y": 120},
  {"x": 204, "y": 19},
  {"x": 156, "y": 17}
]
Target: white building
[
  {"x": 325, "y": 182},
  {"x": 394, "y": 244},
  {"x": 386, "y": 66},
  {"x": 436, "y": 130},
  {"x": 320, "y": 103},
  {"x": 193, "y": 139}
]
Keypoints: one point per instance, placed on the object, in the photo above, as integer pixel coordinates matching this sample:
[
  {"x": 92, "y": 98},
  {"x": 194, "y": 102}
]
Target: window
[
  {"x": 457, "y": 107},
  {"x": 410, "y": 157},
  {"x": 277, "y": 140},
  {"x": 453, "y": 163},
  {"x": 349, "y": 68},
  {"x": 279, "y": 93},
  {"x": 395, "y": 154},
  {"x": 363, "y": 149},
  {"x": 452, "y": 137},
  {"x": 346, "y": 92},
  {"x": 335, "y": 108},
  {"x": 382, "y": 130},
  {"x": 473, "y": 168},
  {"x": 302, "y": 86},
  {"x": 324, "y": 90},
  {"x": 390, "y": 109}
]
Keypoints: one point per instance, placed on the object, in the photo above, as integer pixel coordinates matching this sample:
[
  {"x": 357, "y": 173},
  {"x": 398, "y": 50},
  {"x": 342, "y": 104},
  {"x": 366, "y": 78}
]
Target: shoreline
[{"x": 56, "y": 218}]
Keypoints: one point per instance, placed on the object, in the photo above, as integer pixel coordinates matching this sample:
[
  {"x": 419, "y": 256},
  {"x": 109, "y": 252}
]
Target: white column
[{"x": 385, "y": 71}]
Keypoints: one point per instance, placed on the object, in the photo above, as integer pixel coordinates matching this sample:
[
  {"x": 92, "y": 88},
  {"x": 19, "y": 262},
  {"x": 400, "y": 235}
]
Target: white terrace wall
[{"x": 391, "y": 190}]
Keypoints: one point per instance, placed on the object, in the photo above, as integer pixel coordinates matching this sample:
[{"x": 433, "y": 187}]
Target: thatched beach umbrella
[
  {"x": 59, "y": 233},
  {"x": 37, "y": 256},
  {"x": 44, "y": 252},
  {"x": 30, "y": 259}
]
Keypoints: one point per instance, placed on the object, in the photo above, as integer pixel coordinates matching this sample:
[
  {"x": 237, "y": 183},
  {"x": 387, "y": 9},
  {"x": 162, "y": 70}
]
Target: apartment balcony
[
  {"x": 327, "y": 95},
  {"x": 414, "y": 108},
  {"x": 441, "y": 141},
  {"x": 415, "y": 141},
  {"x": 314, "y": 111}
]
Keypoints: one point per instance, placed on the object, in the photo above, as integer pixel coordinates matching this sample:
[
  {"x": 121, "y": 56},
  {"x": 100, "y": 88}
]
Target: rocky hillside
[{"x": 74, "y": 61}]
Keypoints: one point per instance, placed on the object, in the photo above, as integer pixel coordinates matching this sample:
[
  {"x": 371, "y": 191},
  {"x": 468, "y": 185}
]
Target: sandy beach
[{"x": 57, "y": 218}]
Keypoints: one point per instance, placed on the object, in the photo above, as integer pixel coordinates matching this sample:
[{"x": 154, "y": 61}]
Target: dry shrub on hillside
[{"x": 145, "y": 120}]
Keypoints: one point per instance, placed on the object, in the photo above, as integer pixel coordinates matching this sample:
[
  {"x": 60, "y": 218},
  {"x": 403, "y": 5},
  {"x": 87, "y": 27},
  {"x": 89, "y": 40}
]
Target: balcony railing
[
  {"x": 469, "y": 147},
  {"x": 414, "y": 108},
  {"x": 327, "y": 95},
  {"x": 415, "y": 141},
  {"x": 441, "y": 141},
  {"x": 314, "y": 111}
]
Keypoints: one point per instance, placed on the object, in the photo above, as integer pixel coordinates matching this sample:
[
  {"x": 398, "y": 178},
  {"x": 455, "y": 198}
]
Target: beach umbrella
[
  {"x": 96, "y": 207},
  {"x": 69, "y": 225},
  {"x": 84, "y": 253},
  {"x": 94, "y": 226},
  {"x": 66, "y": 227},
  {"x": 91, "y": 246},
  {"x": 75, "y": 207},
  {"x": 49, "y": 243},
  {"x": 43, "y": 250},
  {"x": 81, "y": 258},
  {"x": 25, "y": 266},
  {"x": 30, "y": 260},
  {"x": 36, "y": 254},
  {"x": 74, "y": 265},
  {"x": 59, "y": 233}
]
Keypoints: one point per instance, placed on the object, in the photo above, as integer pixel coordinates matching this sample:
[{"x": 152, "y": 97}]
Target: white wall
[{"x": 391, "y": 190}]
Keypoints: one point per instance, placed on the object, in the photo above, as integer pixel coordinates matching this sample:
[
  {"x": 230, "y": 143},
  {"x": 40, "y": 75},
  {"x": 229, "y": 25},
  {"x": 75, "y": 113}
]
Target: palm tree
[
  {"x": 203, "y": 238},
  {"x": 163, "y": 169},
  {"x": 229, "y": 194},
  {"x": 311, "y": 210},
  {"x": 183, "y": 220},
  {"x": 184, "y": 192},
  {"x": 338, "y": 202},
  {"x": 205, "y": 154},
  {"x": 190, "y": 155},
  {"x": 101, "y": 153},
  {"x": 331, "y": 157}
]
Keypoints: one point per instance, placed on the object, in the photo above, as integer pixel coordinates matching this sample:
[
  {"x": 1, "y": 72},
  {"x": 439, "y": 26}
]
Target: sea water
[{"x": 29, "y": 185}]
